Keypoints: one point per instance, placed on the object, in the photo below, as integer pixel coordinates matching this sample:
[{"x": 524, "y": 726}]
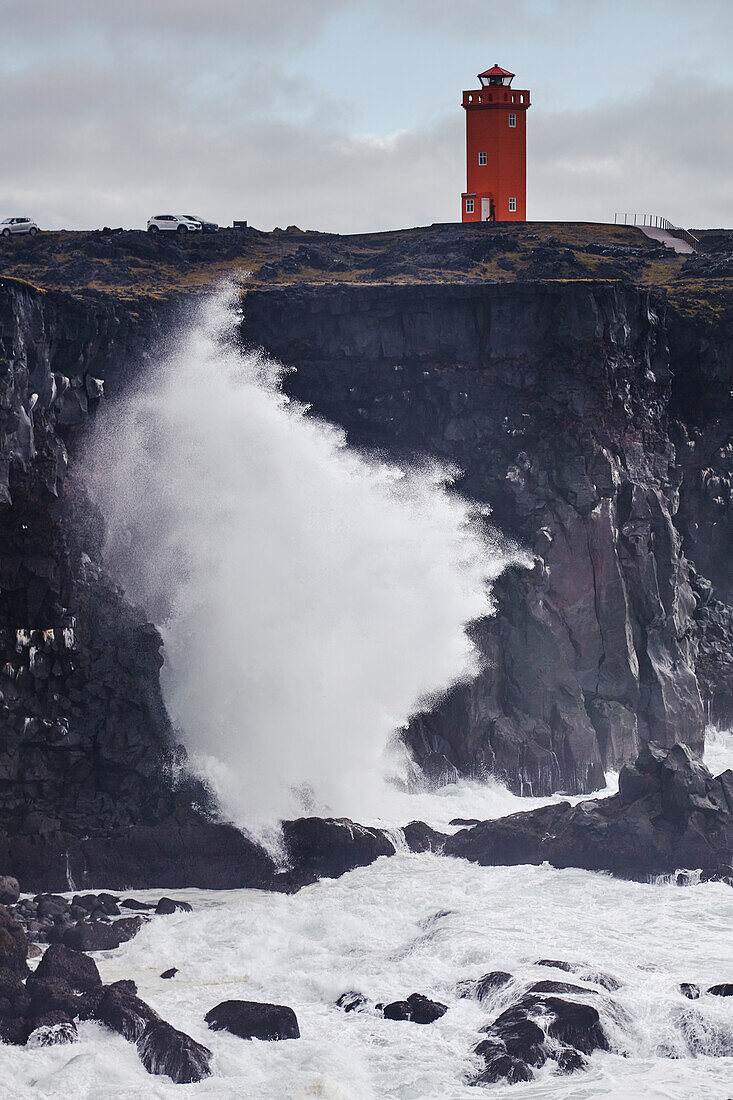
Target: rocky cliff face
[
  {"x": 554, "y": 399},
  {"x": 86, "y": 742}
]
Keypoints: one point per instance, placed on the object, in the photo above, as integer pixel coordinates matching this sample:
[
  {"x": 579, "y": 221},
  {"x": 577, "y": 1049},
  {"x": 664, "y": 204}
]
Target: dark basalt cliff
[{"x": 556, "y": 400}]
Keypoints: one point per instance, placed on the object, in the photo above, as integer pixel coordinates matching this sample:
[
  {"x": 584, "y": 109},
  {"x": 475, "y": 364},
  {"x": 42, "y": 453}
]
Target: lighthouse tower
[{"x": 496, "y": 150}]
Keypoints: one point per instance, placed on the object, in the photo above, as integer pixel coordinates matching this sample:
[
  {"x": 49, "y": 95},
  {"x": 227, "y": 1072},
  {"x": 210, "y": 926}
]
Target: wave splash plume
[{"x": 311, "y": 597}]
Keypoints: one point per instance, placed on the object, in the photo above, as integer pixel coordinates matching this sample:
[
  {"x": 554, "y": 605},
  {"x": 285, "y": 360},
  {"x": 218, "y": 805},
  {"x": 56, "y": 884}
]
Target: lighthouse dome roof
[{"x": 496, "y": 70}]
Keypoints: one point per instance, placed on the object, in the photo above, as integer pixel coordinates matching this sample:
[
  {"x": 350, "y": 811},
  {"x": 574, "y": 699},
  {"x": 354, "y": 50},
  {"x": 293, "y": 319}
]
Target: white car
[
  {"x": 18, "y": 225},
  {"x": 173, "y": 223}
]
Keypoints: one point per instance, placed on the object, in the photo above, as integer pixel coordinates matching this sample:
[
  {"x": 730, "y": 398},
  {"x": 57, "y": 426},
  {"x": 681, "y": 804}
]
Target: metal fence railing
[{"x": 655, "y": 221}]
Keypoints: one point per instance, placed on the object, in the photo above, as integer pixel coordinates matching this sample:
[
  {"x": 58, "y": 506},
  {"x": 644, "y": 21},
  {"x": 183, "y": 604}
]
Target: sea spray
[{"x": 310, "y": 596}]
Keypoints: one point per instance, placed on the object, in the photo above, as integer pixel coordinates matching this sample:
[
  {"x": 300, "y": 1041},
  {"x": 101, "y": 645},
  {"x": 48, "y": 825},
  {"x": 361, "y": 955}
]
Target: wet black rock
[
  {"x": 15, "y": 1001},
  {"x": 9, "y": 890},
  {"x": 521, "y": 1036},
  {"x": 725, "y": 989},
  {"x": 97, "y": 936},
  {"x": 690, "y": 990},
  {"x": 132, "y": 903},
  {"x": 13, "y": 944},
  {"x": 124, "y": 1013},
  {"x": 502, "y": 1067},
  {"x": 164, "y": 1050},
  {"x": 351, "y": 1001},
  {"x": 171, "y": 973},
  {"x": 166, "y": 906},
  {"x": 546, "y": 986},
  {"x": 417, "y": 1008},
  {"x": 569, "y": 1061},
  {"x": 585, "y": 973},
  {"x": 536, "y": 1027},
  {"x": 326, "y": 847},
  {"x": 577, "y": 1025},
  {"x": 481, "y": 988},
  {"x": 669, "y": 812},
  {"x": 64, "y": 965},
  {"x": 254, "y": 1020},
  {"x": 421, "y": 838},
  {"x": 52, "y": 1029}
]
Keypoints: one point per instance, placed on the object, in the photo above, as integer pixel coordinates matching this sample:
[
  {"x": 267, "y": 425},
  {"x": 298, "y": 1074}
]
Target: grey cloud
[{"x": 247, "y": 22}]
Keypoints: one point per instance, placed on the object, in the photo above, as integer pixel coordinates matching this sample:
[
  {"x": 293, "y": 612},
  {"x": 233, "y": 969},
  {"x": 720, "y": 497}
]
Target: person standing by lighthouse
[{"x": 496, "y": 150}]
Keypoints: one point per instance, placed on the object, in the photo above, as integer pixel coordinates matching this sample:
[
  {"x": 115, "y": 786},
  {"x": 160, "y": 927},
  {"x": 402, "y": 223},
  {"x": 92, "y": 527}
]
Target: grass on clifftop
[{"x": 135, "y": 264}]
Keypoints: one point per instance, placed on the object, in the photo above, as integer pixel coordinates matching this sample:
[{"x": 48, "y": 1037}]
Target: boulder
[
  {"x": 170, "y": 973},
  {"x": 98, "y": 936},
  {"x": 52, "y": 1029},
  {"x": 585, "y": 973},
  {"x": 164, "y": 1050},
  {"x": 352, "y": 1001},
  {"x": 690, "y": 990},
  {"x": 679, "y": 816},
  {"x": 13, "y": 1030},
  {"x": 419, "y": 837},
  {"x": 725, "y": 989},
  {"x": 166, "y": 906},
  {"x": 521, "y": 1036},
  {"x": 254, "y": 1020},
  {"x": 124, "y": 1013},
  {"x": 14, "y": 997},
  {"x": 569, "y": 1061},
  {"x": 481, "y": 988},
  {"x": 13, "y": 944},
  {"x": 9, "y": 890},
  {"x": 132, "y": 903},
  {"x": 502, "y": 1067},
  {"x": 48, "y": 997},
  {"x": 417, "y": 1008},
  {"x": 66, "y": 966},
  {"x": 576, "y": 1025},
  {"x": 327, "y": 848}
]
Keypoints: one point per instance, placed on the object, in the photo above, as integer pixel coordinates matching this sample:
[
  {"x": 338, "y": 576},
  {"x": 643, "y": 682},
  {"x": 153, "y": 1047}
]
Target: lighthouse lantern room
[{"x": 496, "y": 150}]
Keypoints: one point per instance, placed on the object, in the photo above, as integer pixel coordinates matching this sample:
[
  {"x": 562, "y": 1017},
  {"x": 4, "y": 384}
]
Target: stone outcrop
[
  {"x": 669, "y": 813},
  {"x": 553, "y": 399}
]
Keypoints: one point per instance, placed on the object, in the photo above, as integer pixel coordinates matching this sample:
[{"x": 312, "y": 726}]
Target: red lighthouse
[{"x": 496, "y": 150}]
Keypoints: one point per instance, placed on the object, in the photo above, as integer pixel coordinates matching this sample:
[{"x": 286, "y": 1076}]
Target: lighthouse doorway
[{"x": 485, "y": 209}]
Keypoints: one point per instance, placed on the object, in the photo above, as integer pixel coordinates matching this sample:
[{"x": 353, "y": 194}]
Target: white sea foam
[
  {"x": 310, "y": 597},
  {"x": 413, "y": 923},
  {"x": 718, "y": 749}
]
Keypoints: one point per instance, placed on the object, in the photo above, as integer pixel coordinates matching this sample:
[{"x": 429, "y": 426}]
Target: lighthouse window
[
  {"x": 512, "y": 204},
  {"x": 482, "y": 158},
  {"x": 512, "y": 119},
  {"x": 469, "y": 206}
]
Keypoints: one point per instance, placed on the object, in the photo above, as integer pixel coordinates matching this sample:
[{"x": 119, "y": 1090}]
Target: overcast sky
[{"x": 345, "y": 114}]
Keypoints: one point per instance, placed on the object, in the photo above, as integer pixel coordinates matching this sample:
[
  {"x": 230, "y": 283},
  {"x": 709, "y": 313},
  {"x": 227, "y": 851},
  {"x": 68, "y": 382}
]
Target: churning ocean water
[{"x": 418, "y": 923}]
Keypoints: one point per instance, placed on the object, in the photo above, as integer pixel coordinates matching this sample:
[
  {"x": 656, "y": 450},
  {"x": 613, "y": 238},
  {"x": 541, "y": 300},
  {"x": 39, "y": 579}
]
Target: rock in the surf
[
  {"x": 481, "y": 988},
  {"x": 416, "y": 1008},
  {"x": 65, "y": 965},
  {"x": 98, "y": 936},
  {"x": 53, "y": 1029},
  {"x": 254, "y": 1020},
  {"x": 166, "y": 906},
  {"x": 165, "y": 1050}
]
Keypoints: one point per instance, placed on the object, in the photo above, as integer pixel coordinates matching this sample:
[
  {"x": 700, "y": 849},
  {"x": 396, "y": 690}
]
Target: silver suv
[
  {"x": 175, "y": 223},
  {"x": 18, "y": 225}
]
